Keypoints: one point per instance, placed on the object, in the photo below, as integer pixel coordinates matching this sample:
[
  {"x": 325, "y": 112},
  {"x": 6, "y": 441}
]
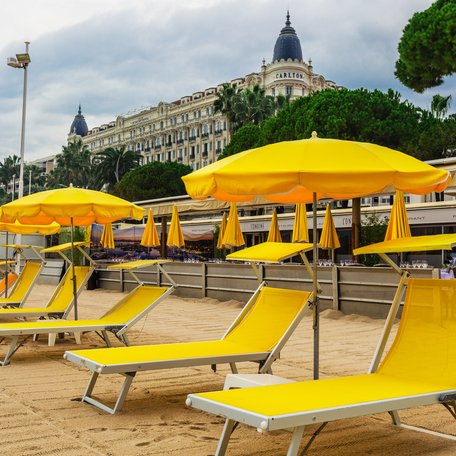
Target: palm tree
[
  {"x": 113, "y": 163},
  {"x": 36, "y": 178},
  {"x": 252, "y": 105},
  {"x": 9, "y": 168},
  {"x": 440, "y": 106},
  {"x": 224, "y": 104}
]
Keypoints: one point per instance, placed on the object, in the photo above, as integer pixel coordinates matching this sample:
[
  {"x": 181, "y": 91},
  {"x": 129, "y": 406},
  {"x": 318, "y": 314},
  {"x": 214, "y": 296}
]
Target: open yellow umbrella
[
  {"x": 150, "y": 236},
  {"x": 274, "y": 232},
  {"x": 309, "y": 169},
  {"x": 221, "y": 232},
  {"x": 19, "y": 228},
  {"x": 233, "y": 236},
  {"x": 300, "y": 225},
  {"x": 175, "y": 236},
  {"x": 107, "y": 236},
  {"x": 329, "y": 238},
  {"x": 398, "y": 225},
  {"x": 70, "y": 206}
]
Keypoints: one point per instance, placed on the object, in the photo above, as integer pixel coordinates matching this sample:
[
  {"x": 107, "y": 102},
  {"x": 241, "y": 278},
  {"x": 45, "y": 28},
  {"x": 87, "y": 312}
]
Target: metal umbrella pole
[
  {"x": 315, "y": 306},
  {"x": 75, "y": 293}
]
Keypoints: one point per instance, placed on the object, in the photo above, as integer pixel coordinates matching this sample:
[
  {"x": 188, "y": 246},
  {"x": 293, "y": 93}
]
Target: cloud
[{"x": 117, "y": 56}]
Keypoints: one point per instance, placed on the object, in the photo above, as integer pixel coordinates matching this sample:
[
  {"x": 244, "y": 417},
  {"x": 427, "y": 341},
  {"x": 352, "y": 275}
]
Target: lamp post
[{"x": 22, "y": 61}]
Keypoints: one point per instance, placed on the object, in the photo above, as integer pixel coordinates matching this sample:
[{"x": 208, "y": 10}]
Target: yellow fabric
[
  {"x": 289, "y": 172},
  {"x": 107, "y": 236},
  {"x": 19, "y": 228},
  {"x": 136, "y": 264},
  {"x": 398, "y": 225},
  {"x": 300, "y": 225},
  {"x": 221, "y": 232},
  {"x": 411, "y": 244},
  {"x": 275, "y": 305},
  {"x": 233, "y": 236},
  {"x": 61, "y": 247},
  {"x": 175, "y": 236},
  {"x": 11, "y": 279},
  {"x": 265, "y": 324},
  {"x": 60, "y": 301},
  {"x": 269, "y": 252},
  {"x": 88, "y": 234},
  {"x": 23, "y": 283},
  {"x": 150, "y": 236},
  {"x": 274, "y": 232},
  {"x": 329, "y": 238},
  {"x": 70, "y": 206},
  {"x": 420, "y": 361}
]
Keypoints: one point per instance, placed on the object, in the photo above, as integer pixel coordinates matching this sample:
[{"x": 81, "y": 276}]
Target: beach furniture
[
  {"x": 118, "y": 320},
  {"x": 24, "y": 283},
  {"x": 417, "y": 370}
]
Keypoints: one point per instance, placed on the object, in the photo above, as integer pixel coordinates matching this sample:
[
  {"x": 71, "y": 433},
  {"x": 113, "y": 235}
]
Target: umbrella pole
[
  {"x": 315, "y": 309},
  {"x": 75, "y": 294},
  {"x": 6, "y": 266}
]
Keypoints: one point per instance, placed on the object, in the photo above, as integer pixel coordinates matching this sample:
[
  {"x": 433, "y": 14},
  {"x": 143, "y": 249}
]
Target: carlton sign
[{"x": 289, "y": 75}]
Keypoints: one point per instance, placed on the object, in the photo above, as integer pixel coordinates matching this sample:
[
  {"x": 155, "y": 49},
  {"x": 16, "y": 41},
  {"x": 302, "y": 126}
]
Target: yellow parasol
[
  {"x": 70, "y": 206},
  {"x": 310, "y": 169},
  {"x": 329, "y": 238},
  {"x": 233, "y": 236},
  {"x": 19, "y": 228},
  {"x": 175, "y": 236},
  {"x": 107, "y": 236},
  {"x": 150, "y": 236},
  {"x": 300, "y": 225},
  {"x": 398, "y": 225},
  {"x": 274, "y": 232},
  {"x": 221, "y": 232}
]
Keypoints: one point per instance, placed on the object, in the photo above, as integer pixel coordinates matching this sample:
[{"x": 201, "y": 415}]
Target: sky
[{"x": 114, "y": 56}]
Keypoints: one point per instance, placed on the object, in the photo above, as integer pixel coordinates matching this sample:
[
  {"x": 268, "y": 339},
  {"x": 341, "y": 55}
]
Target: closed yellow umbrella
[
  {"x": 107, "y": 236},
  {"x": 398, "y": 225},
  {"x": 274, "y": 232},
  {"x": 233, "y": 236},
  {"x": 150, "y": 236},
  {"x": 300, "y": 225},
  {"x": 329, "y": 238},
  {"x": 221, "y": 232},
  {"x": 175, "y": 236}
]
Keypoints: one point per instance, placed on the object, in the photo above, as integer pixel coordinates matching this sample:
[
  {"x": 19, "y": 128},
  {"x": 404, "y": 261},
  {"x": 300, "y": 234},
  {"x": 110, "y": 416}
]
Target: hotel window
[
  {"x": 273, "y": 91},
  {"x": 289, "y": 90}
]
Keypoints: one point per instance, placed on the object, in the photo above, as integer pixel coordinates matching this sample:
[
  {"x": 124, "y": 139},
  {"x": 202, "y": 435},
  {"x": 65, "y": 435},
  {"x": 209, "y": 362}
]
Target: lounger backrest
[
  {"x": 12, "y": 277},
  {"x": 63, "y": 296},
  {"x": 135, "y": 304},
  {"x": 425, "y": 345},
  {"x": 271, "y": 315},
  {"x": 25, "y": 281}
]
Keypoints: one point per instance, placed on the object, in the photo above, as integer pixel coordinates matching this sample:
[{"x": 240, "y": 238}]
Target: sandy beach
[{"x": 41, "y": 412}]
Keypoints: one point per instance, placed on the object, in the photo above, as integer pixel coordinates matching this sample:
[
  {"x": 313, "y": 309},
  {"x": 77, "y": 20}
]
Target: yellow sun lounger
[
  {"x": 23, "y": 285},
  {"x": 128, "y": 311},
  {"x": 258, "y": 334},
  {"x": 419, "y": 369}
]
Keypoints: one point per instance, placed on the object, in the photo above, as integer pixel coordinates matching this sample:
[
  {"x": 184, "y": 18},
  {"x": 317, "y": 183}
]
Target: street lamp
[{"x": 21, "y": 61}]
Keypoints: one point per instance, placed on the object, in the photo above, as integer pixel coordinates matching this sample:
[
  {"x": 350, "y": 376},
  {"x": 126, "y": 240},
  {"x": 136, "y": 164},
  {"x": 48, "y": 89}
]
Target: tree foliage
[
  {"x": 427, "y": 48},
  {"x": 373, "y": 231},
  {"x": 245, "y": 138},
  {"x": 154, "y": 180},
  {"x": 357, "y": 115}
]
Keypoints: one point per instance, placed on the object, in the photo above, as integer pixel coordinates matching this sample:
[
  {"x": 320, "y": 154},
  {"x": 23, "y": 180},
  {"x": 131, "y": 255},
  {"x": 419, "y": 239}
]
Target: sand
[{"x": 41, "y": 413}]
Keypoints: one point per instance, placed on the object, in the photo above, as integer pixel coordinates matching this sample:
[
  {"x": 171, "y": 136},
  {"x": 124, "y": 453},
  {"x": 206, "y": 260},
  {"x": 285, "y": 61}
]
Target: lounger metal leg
[
  {"x": 51, "y": 339},
  {"x": 395, "y": 417},
  {"x": 225, "y": 437},
  {"x": 120, "y": 399},
  {"x": 77, "y": 337},
  {"x": 11, "y": 350},
  {"x": 233, "y": 368},
  {"x": 295, "y": 441},
  {"x": 314, "y": 436},
  {"x": 106, "y": 338}
]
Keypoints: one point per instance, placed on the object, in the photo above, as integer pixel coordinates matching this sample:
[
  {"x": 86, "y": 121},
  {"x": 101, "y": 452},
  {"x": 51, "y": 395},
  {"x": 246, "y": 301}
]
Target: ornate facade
[{"x": 188, "y": 130}]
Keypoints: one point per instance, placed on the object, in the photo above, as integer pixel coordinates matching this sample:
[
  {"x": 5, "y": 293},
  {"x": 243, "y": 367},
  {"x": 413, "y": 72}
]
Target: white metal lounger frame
[
  {"x": 19, "y": 250},
  {"x": 265, "y": 359},
  {"x": 119, "y": 331},
  {"x": 300, "y": 420}
]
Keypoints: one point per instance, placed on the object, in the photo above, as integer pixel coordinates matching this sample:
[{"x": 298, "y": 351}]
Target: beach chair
[
  {"x": 418, "y": 370},
  {"x": 118, "y": 320},
  {"x": 258, "y": 334}
]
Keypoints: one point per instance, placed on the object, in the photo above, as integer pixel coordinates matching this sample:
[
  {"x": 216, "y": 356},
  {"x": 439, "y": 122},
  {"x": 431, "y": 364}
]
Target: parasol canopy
[
  {"x": 221, "y": 232},
  {"x": 19, "y": 228},
  {"x": 175, "y": 236},
  {"x": 107, "y": 236},
  {"x": 329, "y": 238},
  {"x": 274, "y": 232},
  {"x": 398, "y": 225},
  {"x": 233, "y": 236},
  {"x": 150, "y": 235},
  {"x": 300, "y": 225}
]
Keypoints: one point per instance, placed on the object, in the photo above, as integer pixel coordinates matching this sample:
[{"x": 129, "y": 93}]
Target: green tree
[
  {"x": 34, "y": 178},
  {"x": 113, "y": 163},
  {"x": 427, "y": 48},
  {"x": 154, "y": 180},
  {"x": 74, "y": 166},
  {"x": 8, "y": 168},
  {"x": 252, "y": 106},
  {"x": 373, "y": 231},
  {"x": 245, "y": 138},
  {"x": 440, "y": 106},
  {"x": 224, "y": 104}
]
